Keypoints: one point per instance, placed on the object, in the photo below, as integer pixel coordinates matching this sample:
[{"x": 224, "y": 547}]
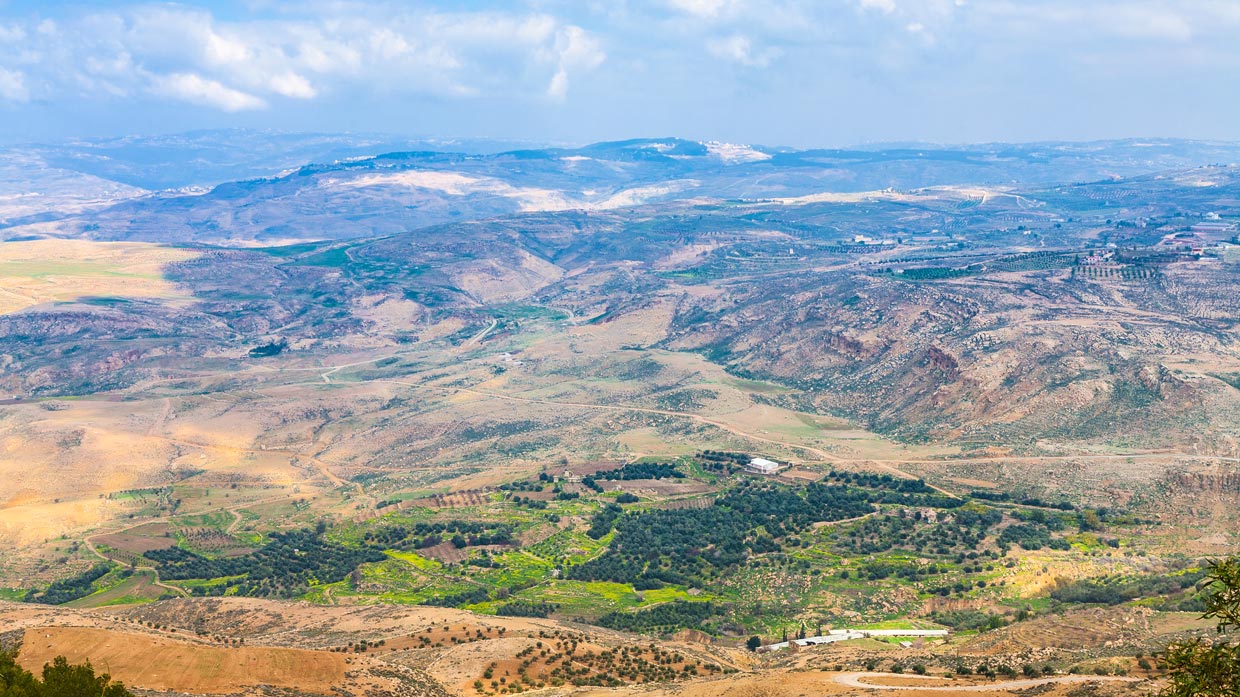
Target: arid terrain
[{"x": 414, "y": 423}]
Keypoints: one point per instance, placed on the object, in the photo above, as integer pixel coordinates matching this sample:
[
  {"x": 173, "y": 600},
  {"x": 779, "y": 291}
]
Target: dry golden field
[
  {"x": 163, "y": 664},
  {"x": 43, "y": 271}
]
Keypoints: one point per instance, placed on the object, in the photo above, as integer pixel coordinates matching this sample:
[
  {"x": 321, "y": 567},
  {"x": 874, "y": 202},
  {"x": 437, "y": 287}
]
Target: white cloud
[
  {"x": 225, "y": 50},
  {"x": 290, "y": 84},
  {"x": 13, "y": 86},
  {"x": 700, "y": 8},
  {"x": 884, "y": 6},
  {"x": 558, "y": 87},
  {"x": 12, "y": 33},
  {"x": 738, "y": 48},
  {"x": 1057, "y": 20},
  {"x": 304, "y": 52},
  {"x": 199, "y": 90},
  {"x": 577, "y": 50}
]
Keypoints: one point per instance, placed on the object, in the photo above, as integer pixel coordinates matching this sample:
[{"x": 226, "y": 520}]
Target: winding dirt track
[{"x": 857, "y": 680}]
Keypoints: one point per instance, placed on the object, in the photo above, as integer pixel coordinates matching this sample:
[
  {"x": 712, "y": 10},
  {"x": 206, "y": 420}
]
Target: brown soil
[
  {"x": 166, "y": 664},
  {"x": 143, "y": 538}
]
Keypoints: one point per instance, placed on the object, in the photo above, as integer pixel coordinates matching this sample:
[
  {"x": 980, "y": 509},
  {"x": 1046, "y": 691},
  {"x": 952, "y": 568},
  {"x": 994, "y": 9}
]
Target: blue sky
[{"x": 776, "y": 72}]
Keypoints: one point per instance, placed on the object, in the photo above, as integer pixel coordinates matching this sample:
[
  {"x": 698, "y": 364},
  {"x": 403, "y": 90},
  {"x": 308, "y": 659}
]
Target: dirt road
[{"x": 858, "y": 680}]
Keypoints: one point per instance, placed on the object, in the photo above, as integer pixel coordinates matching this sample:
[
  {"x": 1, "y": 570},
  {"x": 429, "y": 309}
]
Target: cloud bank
[{"x": 188, "y": 54}]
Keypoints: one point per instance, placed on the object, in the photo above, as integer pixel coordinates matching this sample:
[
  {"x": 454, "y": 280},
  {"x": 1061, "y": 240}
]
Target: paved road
[
  {"x": 857, "y": 680},
  {"x": 473, "y": 340}
]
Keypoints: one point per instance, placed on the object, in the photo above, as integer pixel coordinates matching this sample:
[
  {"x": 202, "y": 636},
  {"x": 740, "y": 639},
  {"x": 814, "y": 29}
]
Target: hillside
[
  {"x": 257, "y": 647},
  {"x": 520, "y": 391},
  {"x": 1022, "y": 321}
]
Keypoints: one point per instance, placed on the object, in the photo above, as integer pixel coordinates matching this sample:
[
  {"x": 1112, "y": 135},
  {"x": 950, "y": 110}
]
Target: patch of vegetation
[
  {"x": 1201, "y": 668},
  {"x": 969, "y": 620},
  {"x": 1032, "y": 536},
  {"x": 1232, "y": 379},
  {"x": 461, "y": 533},
  {"x": 69, "y": 589},
  {"x": 284, "y": 567},
  {"x": 722, "y": 462},
  {"x": 936, "y": 273},
  {"x": 687, "y": 545},
  {"x": 964, "y": 530},
  {"x": 267, "y": 350},
  {"x": 517, "y": 312},
  {"x": 603, "y": 521},
  {"x": 663, "y": 618},
  {"x": 642, "y": 470},
  {"x": 526, "y": 608},
  {"x": 1114, "y": 590},
  {"x": 472, "y": 596},
  {"x": 686, "y": 400}
]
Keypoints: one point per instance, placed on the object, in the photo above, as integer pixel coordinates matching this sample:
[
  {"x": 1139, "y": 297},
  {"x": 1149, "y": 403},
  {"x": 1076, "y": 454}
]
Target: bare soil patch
[
  {"x": 156, "y": 663},
  {"x": 445, "y": 552},
  {"x": 143, "y": 538}
]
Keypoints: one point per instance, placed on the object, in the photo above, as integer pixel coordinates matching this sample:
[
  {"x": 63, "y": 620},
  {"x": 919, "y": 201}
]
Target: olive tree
[{"x": 1200, "y": 668}]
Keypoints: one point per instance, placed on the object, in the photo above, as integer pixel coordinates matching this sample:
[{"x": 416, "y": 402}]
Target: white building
[
  {"x": 761, "y": 465},
  {"x": 834, "y": 635}
]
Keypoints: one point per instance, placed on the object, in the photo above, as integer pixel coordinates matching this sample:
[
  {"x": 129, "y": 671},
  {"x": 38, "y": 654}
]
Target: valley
[{"x": 455, "y": 421}]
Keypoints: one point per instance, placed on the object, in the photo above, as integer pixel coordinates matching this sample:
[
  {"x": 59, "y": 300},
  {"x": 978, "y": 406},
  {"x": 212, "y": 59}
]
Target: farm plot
[
  {"x": 461, "y": 499},
  {"x": 567, "y": 545},
  {"x": 399, "y": 581},
  {"x": 138, "y": 588},
  {"x": 140, "y": 539},
  {"x": 515, "y": 569},
  {"x": 596, "y": 598},
  {"x": 214, "y": 542},
  {"x": 661, "y": 487},
  {"x": 686, "y": 504}
]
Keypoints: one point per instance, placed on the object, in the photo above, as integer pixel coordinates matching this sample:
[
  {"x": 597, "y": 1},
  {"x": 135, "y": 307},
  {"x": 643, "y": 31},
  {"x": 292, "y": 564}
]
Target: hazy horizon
[{"x": 446, "y": 140}]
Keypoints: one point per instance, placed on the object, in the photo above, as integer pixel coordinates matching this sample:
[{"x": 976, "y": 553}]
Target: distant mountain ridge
[{"x": 351, "y": 197}]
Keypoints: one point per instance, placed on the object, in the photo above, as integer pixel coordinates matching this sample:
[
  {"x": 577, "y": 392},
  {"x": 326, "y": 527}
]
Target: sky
[{"x": 801, "y": 73}]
